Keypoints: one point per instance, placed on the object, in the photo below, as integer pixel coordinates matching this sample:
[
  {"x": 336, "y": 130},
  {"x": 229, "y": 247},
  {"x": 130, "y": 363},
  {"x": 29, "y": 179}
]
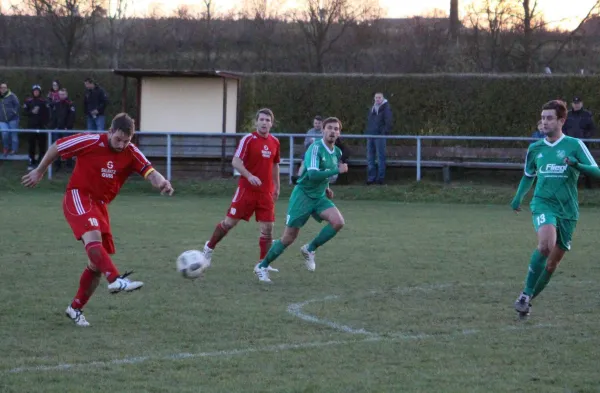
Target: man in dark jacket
[
  {"x": 379, "y": 122},
  {"x": 37, "y": 110},
  {"x": 94, "y": 105},
  {"x": 9, "y": 119},
  {"x": 62, "y": 118},
  {"x": 580, "y": 124}
]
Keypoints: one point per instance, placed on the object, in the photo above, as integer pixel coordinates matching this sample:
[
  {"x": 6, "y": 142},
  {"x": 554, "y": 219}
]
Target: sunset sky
[{"x": 565, "y": 13}]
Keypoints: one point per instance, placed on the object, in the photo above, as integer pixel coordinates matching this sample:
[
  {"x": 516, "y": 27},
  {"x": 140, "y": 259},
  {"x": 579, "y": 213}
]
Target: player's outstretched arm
[
  {"x": 524, "y": 187},
  {"x": 158, "y": 181},
  {"x": 238, "y": 165},
  {"x": 34, "y": 177}
]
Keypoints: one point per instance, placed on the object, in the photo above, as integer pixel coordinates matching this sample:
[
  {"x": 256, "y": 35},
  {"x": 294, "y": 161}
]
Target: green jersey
[
  {"x": 320, "y": 158},
  {"x": 556, "y": 187}
]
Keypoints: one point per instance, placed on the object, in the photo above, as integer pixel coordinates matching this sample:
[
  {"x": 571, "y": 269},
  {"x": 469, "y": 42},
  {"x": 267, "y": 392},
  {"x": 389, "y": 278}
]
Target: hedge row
[
  {"x": 421, "y": 104},
  {"x": 506, "y": 105}
]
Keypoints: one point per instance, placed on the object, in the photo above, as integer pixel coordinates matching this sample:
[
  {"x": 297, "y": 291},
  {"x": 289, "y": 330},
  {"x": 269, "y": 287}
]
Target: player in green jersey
[
  {"x": 311, "y": 197},
  {"x": 556, "y": 161}
]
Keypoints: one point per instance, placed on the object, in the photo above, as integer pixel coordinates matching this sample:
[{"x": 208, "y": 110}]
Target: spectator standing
[
  {"x": 580, "y": 124},
  {"x": 94, "y": 105},
  {"x": 62, "y": 117},
  {"x": 54, "y": 93},
  {"x": 37, "y": 110},
  {"x": 9, "y": 119},
  {"x": 311, "y": 136},
  {"x": 379, "y": 122}
]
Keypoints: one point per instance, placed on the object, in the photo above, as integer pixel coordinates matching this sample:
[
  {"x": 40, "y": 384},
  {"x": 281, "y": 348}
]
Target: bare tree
[
  {"x": 68, "y": 20},
  {"x": 264, "y": 16},
  {"x": 454, "y": 20},
  {"x": 118, "y": 24},
  {"x": 490, "y": 38},
  {"x": 324, "y": 22}
]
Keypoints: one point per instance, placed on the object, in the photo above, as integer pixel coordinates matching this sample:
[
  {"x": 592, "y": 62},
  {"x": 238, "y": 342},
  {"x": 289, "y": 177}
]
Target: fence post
[
  {"x": 51, "y": 164},
  {"x": 291, "y": 167},
  {"x": 418, "y": 159},
  {"x": 169, "y": 157}
]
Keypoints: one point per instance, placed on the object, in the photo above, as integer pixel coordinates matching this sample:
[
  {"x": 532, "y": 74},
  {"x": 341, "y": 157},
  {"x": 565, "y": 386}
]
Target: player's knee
[
  {"x": 228, "y": 224},
  {"x": 266, "y": 231},
  {"x": 551, "y": 266},
  {"x": 544, "y": 249},
  {"x": 288, "y": 239},
  {"x": 338, "y": 224},
  {"x": 93, "y": 269}
]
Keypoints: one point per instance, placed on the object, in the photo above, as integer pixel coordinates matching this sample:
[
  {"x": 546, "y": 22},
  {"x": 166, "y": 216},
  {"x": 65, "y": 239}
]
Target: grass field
[{"x": 408, "y": 298}]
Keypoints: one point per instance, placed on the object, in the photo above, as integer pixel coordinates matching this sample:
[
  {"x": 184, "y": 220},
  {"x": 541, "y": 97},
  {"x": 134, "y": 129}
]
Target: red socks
[
  {"x": 101, "y": 260},
  {"x": 87, "y": 285},
  {"x": 219, "y": 233},
  {"x": 264, "y": 243}
]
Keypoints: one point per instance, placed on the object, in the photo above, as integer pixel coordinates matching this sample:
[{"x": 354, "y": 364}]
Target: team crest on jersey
[
  {"x": 561, "y": 154},
  {"x": 266, "y": 153}
]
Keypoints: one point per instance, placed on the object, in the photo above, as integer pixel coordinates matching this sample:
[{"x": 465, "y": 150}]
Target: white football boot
[
  {"x": 262, "y": 273},
  {"x": 207, "y": 253},
  {"x": 124, "y": 284},
  {"x": 76, "y": 316},
  {"x": 309, "y": 258}
]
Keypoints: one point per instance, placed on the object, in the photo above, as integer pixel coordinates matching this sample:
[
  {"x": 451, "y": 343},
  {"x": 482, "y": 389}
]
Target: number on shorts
[
  {"x": 541, "y": 219},
  {"x": 93, "y": 222}
]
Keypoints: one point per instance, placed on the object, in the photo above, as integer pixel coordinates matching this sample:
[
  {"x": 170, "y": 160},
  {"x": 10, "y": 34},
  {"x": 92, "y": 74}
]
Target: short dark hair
[
  {"x": 560, "y": 107},
  {"x": 124, "y": 123},
  {"x": 265, "y": 111},
  {"x": 318, "y": 117},
  {"x": 90, "y": 80},
  {"x": 332, "y": 120}
]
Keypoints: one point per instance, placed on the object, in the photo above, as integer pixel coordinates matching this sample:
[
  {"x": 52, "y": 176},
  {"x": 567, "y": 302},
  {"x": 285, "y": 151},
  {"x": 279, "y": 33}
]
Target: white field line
[{"x": 295, "y": 310}]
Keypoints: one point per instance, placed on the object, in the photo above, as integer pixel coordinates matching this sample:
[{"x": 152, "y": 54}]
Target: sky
[{"x": 566, "y": 13}]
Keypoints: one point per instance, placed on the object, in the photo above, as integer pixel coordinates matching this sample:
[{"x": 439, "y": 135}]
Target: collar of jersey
[
  {"x": 555, "y": 143},
  {"x": 327, "y": 148}
]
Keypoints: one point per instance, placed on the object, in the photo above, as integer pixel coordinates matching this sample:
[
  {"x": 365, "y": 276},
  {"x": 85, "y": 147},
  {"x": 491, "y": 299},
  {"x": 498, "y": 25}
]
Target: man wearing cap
[
  {"x": 37, "y": 110},
  {"x": 580, "y": 124}
]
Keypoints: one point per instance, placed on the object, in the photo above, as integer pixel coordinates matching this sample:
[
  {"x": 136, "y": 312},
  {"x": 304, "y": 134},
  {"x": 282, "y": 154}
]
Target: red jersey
[
  {"x": 259, "y": 154},
  {"x": 99, "y": 171}
]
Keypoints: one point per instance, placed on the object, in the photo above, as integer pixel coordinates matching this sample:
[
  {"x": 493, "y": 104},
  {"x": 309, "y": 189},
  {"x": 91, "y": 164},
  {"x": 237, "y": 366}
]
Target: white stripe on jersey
[
  {"x": 137, "y": 151},
  {"x": 525, "y": 167},
  {"x": 314, "y": 158},
  {"x": 243, "y": 143},
  {"x": 77, "y": 202},
  {"x": 79, "y": 139},
  {"x": 587, "y": 153}
]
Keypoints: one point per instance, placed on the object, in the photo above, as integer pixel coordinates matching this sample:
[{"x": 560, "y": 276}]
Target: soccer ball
[{"x": 191, "y": 264}]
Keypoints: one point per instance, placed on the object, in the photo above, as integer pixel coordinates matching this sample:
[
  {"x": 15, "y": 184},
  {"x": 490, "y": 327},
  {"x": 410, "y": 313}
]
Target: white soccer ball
[{"x": 191, "y": 264}]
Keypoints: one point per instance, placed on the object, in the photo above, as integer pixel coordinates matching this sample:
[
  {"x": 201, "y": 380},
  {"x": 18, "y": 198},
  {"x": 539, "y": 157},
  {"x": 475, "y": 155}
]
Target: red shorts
[
  {"x": 85, "y": 214},
  {"x": 247, "y": 202}
]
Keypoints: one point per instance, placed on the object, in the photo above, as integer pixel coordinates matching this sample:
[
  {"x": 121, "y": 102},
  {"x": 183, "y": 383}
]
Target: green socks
[
  {"x": 326, "y": 234},
  {"x": 537, "y": 266},
  {"x": 542, "y": 282},
  {"x": 274, "y": 252}
]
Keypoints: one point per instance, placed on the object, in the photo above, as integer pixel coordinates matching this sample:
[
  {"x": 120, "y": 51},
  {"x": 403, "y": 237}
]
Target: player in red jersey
[
  {"x": 257, "y": 160},
  {"x": 104, "y": 162}
]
